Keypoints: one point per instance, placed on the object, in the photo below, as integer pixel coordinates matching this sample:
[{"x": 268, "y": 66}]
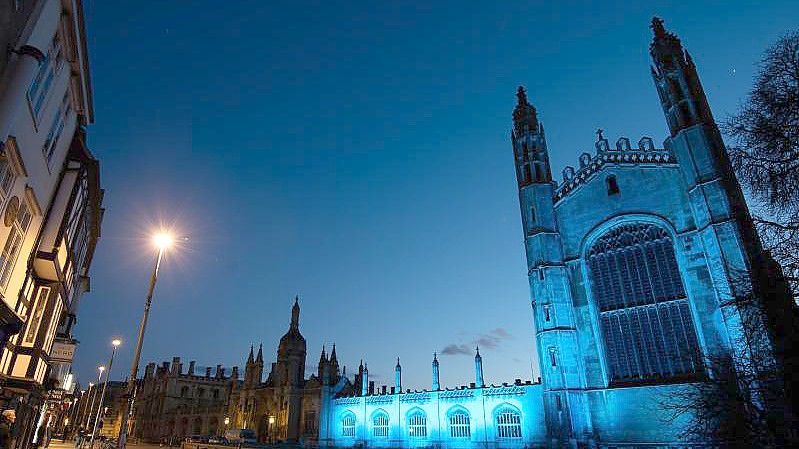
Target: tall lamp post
[
  {"x": 162, "y": 241},
  {"x": 115, "y": 343},
  {"x": 93, "y": 389}
]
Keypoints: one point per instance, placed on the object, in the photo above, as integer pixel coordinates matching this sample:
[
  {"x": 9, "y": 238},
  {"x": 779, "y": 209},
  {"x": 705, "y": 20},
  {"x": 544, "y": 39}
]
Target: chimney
[
  {"x": 176, "y": 368},
  {"x": 383, "y": 389},
  {"x": 207, "y": 372},
  {"x": 234, "y": 374},
  {"x": 191, "y": 368},
  {"x": 371, "y": 387},
  {"x": 219, "y": 372}
]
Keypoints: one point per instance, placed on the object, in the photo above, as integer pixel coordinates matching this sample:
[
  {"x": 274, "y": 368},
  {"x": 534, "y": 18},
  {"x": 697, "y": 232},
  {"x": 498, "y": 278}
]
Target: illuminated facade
[
  {"x": 50, "y": 201},
  {"x": 633, "y": 262},
  {"x": 477, "y": 415}
]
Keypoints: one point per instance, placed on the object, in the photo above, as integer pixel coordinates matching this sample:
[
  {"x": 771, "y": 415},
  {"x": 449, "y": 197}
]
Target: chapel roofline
[{"x": 621, "y": 155}]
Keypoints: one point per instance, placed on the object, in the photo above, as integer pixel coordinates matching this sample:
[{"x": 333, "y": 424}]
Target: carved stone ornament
[{"x": 12, "y": 209}]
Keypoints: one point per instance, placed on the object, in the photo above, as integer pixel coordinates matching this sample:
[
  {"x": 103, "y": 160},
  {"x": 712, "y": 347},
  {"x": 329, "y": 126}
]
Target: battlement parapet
[{"x": 622, "y": 154}]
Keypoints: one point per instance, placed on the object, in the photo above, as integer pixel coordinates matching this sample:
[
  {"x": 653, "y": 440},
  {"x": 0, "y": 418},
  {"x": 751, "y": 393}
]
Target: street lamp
[
  {"x": 115, "y": 343},
  {"x": 162, "y": 242},
  {"x": 94, "y": 396}
]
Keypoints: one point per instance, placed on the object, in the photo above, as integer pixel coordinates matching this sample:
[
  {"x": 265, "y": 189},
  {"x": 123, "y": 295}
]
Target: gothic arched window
[
  {"x": 459, "y": 425},
  {"x": 348, "y": 425},
  {"x": 509, "y": 423},
  {"x": 644, "y": 315},
  {"x": 417, "y": 424},
  {"x": 380, "y": 425}
]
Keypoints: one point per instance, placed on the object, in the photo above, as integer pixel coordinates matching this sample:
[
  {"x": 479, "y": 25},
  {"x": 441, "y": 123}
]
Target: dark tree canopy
[{"x": 766, "y": 158}]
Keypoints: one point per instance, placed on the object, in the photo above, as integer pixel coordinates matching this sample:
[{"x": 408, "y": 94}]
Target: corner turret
[
  {"x": 681, "y": 94},
  {"x": 478, "y": 369},
  {"x": 436, "y": 380},
  {"x": 398, "y": 377}
]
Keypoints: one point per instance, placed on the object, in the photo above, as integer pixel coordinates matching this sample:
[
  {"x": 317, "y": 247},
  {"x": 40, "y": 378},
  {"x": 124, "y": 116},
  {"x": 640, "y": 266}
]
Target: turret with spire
[
  {"x": 478, "y": 369},
  {"x": 677, "y": 81},
  {"x": 322, "y": 363},
  {"x": 249, "y": 368},
  {"x": 398, "y": 377},
  {"x": 436, "y": 382},
  {"x": 290, "y": 366},
  {"x": 259, "y": 365},
  {"x": 529, "y": 143},
  {"x": 335, "y": 372},
  {"x": 365, "y": 380}
]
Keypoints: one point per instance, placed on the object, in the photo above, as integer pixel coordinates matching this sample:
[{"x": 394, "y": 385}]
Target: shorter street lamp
[
  {"x": 115, "y": 343},
  {"x": 94, "y": 396}
]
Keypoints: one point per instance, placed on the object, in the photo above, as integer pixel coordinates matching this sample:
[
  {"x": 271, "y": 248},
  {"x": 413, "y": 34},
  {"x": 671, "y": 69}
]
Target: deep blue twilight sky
[{"x": 358, "y": 155}]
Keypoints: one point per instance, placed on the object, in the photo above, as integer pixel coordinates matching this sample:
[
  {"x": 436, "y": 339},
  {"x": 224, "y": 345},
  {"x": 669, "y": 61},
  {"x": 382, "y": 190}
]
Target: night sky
[{"x": 359, "y": 156}]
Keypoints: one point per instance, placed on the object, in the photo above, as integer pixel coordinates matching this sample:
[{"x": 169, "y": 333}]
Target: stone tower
[
  {"x": 558, "y": 350},
  {"x": 289, "y": 370}
]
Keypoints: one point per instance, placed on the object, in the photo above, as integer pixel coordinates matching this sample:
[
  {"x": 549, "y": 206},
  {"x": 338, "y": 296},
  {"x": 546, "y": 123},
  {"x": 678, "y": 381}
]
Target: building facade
[
  {"x": 635, "y": 260},
  {"x": 173, "y": 402},
  {"x": 477, "y": 415},
  {"x": 286, "y": 406},
  {"x": 50, "y": 200}
]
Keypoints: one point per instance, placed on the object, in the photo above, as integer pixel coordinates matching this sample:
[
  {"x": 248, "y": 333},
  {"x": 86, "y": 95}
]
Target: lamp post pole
[
  {"x": 162, "y": 241},
  {"x": 93, "y": 396},
  {"x": 114, "y": 343}
]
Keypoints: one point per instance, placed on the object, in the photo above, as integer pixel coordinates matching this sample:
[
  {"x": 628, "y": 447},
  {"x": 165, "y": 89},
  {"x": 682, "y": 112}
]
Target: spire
[
  {"x": 334, "y": 371},
  {"x": 365, "y": 380},
  {"x": 398, "y": 377},
  {"x": 529, "y": 144},
  {"x": 295, "y": 314},
  {"x": 524, "y": 115},
  {"x": 322, "y": 364},
  {"x": 665, "y": 48},
  {"x": 478, "y": 368},
  {"x": 250, "y": 357},
  {"x": 260, "y": 358},
  {"x": 436, "y": 383},
  {"x": 681, "y": 94}
]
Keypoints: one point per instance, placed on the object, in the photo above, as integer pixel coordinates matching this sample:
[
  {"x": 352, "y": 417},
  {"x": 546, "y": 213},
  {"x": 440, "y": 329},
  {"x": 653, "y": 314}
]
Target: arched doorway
[{"x": 263, "y": 429}]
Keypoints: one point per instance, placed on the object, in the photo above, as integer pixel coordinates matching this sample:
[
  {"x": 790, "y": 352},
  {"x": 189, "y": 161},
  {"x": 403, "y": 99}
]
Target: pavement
[{"x": 57, "y": 444}]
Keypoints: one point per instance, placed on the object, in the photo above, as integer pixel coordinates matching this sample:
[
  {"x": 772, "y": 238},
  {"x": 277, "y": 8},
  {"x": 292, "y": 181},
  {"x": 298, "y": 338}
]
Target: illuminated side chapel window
[
  {"x": 417, "y": 425},
  {"x": 380, "y": 425},
  {"x": 459, "y": 425},
  {"x": 646, "y": 322},
  {"x": 509, "y": 423},
  {"x": 348, "y": 425},
  {"x": 16, "y": 236}
]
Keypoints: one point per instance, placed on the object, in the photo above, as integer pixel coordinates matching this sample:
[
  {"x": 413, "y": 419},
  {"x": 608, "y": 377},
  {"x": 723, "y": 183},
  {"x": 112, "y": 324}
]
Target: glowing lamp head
[
  {"x": 271, "y": 420},
  {"x": 116, "y": 342},
  {"x": 163, "y": 240},
  {"x": 101, "y": 368},
  {"x": 227, "y": 420}
]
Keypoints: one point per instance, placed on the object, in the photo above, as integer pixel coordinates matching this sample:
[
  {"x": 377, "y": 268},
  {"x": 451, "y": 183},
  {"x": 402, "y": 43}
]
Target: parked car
[
  {"x": 218, "y": 439},
  {"x": 197, "y": 439},
  {"x": 243, "y": 436}
]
